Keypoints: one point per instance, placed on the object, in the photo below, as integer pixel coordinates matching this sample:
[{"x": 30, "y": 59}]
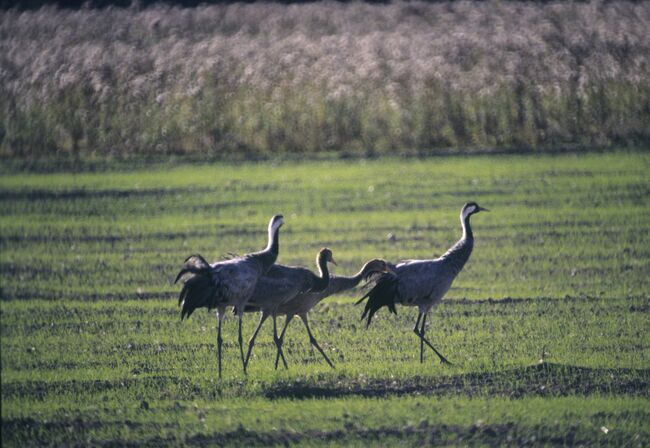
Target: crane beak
[
  {"x": 482, "y": 209},
  {"x": 333, "y": 262}
]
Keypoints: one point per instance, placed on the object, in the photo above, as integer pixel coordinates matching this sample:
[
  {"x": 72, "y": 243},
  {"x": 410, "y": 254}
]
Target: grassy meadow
[
  {"x": 242, "y": 80},
  {"x": 546, "y": 326}
]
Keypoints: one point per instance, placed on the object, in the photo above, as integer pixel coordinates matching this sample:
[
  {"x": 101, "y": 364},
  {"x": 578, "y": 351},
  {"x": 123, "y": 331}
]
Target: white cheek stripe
[{"x": 468, "y": 210}]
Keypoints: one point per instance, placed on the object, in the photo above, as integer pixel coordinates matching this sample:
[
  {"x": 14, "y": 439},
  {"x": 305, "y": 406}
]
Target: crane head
[
  {"x": 325, "y": 254},
  {"x": 471, "y": 208},
  {"x": 276, "y": 222},
  {"x": 376, "y": 266}
]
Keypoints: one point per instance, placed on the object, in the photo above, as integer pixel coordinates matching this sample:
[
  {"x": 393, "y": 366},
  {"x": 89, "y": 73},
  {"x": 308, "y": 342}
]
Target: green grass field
[{"x": 93, "y": 351}]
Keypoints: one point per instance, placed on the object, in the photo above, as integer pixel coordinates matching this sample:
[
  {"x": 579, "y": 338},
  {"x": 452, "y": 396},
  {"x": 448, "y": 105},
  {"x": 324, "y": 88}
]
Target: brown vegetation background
[{"x": 255, "y": 79}]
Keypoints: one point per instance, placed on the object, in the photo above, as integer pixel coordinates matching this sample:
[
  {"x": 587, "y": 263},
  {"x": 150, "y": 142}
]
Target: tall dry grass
[{"x": 265, "y": 78}]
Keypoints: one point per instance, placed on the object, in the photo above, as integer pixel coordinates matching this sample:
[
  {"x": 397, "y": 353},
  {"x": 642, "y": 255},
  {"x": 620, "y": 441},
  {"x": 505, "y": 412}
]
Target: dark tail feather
[
  {"x": 371, "y": 282},
  {"x": 362, "y": 298},
  {"x": 198, "y": 290},
  {"x": 194, "y": 264},
  {"x": 197, "y": 258},
  {"x": 382, "y": 294},
  {"x": 189, "y": 270}
]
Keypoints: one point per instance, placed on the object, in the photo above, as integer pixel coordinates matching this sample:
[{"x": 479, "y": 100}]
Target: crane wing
[
  {"x": 229, "y": 282},
  {"x": 235, "y": 279},
  {"x": 279, "y": 285},
  {"x": 417, "y": 280},
  {"x": 410, "y": 282}
]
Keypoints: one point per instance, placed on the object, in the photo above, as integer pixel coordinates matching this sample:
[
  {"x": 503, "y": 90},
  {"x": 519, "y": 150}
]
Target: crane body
[
  {"x": 423, "y": 283},
  {"x": 226, "y": 283},
  {"x": 280, "y": 285}
]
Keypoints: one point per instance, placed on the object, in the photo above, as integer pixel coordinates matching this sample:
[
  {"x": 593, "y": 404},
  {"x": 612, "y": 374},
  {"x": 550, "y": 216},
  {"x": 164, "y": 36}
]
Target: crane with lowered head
[
  {"x": 280, "y": 285},
  {"x": 304, "y": 302}
]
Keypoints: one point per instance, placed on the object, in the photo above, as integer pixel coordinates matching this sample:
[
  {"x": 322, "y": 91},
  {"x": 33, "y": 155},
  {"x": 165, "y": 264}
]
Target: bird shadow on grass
[{"x": 545, "y": 379}]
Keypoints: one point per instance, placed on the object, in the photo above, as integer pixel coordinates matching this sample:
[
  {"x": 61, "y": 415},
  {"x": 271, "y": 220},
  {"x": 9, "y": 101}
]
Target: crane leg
[
  {"x": 277, "y": 342},
  {"x": 284, "y": 330},
  {"x": 263, "y": 317},
  {"x": 240, "y": 339},
  {"x": 416, "y": 330},
  {"x": 312, "y": 340},
  {"x": 424, "y": 340},
  {"x": 220, "y": 315},
  {"x": 422, "y": 329}
]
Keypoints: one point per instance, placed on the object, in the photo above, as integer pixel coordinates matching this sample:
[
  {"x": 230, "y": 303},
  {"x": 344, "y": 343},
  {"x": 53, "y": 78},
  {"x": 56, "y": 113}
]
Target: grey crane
[
  {"x": 423, "y": 283},
  {"x": 281, "y": 284},
  {"x": 302, "y": 304},
  {"x": 227, "y": 283}
]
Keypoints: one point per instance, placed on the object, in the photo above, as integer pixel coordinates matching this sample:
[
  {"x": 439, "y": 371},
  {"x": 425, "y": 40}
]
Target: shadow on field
[
  {"x": 422, "y": 434},
  {"x": 542, "y": 379},
  {"x": 42, "y": 433}
]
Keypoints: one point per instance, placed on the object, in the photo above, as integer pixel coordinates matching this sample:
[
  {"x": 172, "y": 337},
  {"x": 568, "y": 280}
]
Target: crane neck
[
  {"x": 460, "y": 252},
  {"x": 273, "y": 244},
  {"x": 340, "y": 283},
  {"x": 270, "y": 254},
  {"x": 467, "y": 228},
  {"x": 323, "y": 280}
]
